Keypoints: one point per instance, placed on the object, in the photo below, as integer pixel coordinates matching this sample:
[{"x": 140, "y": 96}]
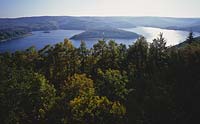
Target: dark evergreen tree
[{"x": 190, "y": 37}]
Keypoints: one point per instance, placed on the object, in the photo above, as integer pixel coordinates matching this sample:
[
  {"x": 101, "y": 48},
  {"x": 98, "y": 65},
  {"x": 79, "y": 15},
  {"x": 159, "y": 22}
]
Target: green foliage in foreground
[
  {"x": 107, "y": 84},
  {"x": 25, "y": 97}
]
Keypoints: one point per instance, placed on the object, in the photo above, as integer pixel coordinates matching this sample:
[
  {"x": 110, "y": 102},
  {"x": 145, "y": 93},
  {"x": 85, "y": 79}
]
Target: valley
[{"x": 39, "y": 39}]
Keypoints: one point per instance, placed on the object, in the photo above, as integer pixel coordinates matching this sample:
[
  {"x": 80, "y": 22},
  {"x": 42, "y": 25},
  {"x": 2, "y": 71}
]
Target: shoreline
[{"x": 18, "y": 37}]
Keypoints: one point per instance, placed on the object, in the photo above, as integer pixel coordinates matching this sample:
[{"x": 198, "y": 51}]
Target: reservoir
[{"x": 39, "y": 39}]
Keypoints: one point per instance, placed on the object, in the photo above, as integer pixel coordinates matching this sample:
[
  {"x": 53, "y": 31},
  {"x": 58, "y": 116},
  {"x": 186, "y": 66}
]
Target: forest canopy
[{"x": 110, "y": 83}]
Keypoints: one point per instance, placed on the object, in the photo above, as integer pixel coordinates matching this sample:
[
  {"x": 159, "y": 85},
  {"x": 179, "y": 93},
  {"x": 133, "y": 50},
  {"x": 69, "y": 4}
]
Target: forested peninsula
[{"x": 9, "y": 34}]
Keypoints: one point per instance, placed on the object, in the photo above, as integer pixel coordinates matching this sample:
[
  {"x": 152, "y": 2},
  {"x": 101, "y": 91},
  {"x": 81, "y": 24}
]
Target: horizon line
[{"x": 96, "y": 16}]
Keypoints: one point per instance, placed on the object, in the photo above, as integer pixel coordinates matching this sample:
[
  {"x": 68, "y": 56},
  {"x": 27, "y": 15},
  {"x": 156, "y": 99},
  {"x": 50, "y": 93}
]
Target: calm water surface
[
  {"x": 172, "y": 37},
  {"x": 40, "y": 39},
  {"x": 37, "y": 39}
]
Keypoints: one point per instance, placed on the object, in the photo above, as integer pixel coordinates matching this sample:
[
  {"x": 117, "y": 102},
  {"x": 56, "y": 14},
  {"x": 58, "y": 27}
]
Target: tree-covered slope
[
  {"x": 8, "y": 34},
  {"x": 105, "y": 33},
  {"x": 84, "y": 23}
]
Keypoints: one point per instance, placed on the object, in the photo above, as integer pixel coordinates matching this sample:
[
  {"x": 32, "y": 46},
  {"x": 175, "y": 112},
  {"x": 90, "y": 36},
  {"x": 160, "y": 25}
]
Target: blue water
[
  {"x": 40, "y": 39},
  {"x": 37, "y": 39}
]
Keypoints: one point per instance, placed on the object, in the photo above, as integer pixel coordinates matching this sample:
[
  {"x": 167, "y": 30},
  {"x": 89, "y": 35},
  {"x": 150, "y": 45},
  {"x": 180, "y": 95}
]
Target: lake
[
  {"x": 173, "y": 37},
  {"x": 40, "y": 39}
]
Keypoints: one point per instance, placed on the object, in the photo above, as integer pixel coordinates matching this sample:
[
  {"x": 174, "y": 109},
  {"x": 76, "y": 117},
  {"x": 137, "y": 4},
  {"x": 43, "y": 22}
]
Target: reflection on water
[
  {"x": 172, "y": 37},
  {"x": 40, "y": 39}
]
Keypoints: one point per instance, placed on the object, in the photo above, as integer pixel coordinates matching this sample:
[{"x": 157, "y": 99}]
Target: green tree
[
  {"x": 112, "y": 84},
  {"x": 60, "y": 62},
  {"x": 26, "y": 97},
  {"x": 83, "y": 53},
  {"x": 137, "y": 57},
  {"x": 109, "y": 55},
  {"x": 158, "y": 53},
  {"x": 77, "y": 85},
  {"x": 95, "y": 109},
  {"x": 190, "y": 37},
  {"x": 99, "y": 49}
]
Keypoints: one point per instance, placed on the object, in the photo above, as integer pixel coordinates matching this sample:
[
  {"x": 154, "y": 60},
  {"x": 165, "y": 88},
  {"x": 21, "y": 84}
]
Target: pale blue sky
[{"x": 169, "y": 8}]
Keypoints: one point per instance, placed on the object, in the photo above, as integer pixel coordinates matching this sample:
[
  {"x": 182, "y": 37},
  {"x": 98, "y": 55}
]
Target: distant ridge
[{"x": 88, "y": 22}]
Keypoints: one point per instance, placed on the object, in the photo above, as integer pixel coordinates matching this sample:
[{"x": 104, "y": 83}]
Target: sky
[{"x": 163, "y": 8}]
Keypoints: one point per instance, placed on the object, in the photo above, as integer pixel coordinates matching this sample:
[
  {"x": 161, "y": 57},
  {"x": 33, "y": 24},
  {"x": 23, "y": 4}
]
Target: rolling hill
[
  {"x": 105, "y": 33},
  {"x": 86, "y": 23}
]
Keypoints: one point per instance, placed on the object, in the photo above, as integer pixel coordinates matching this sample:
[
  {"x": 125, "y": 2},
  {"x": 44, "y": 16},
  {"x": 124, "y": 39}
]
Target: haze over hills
[
  {"x": 99, "y": 61},
  {"x": 84, "y": 23}
]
